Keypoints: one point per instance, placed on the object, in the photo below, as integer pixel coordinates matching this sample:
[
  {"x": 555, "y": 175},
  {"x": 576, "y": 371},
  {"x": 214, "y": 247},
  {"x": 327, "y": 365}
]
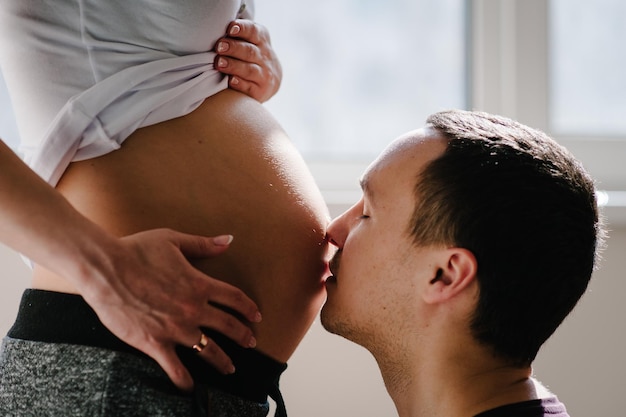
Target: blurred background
[{"x": 358, "y": 73}]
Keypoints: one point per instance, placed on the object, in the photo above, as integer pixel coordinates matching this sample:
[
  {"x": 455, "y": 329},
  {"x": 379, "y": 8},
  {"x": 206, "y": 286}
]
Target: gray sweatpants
[{"x": 64, "y": 380}]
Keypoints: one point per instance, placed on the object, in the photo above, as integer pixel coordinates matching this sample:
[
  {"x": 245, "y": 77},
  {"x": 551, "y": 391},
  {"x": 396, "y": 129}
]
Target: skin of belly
[{"x": 226, "y": 168}]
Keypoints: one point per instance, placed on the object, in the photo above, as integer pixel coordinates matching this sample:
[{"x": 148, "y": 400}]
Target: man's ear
[{"x": 456, "y": 270}]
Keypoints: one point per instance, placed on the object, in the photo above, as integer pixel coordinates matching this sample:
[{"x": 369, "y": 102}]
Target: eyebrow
[{"x": 364, "y": 182}]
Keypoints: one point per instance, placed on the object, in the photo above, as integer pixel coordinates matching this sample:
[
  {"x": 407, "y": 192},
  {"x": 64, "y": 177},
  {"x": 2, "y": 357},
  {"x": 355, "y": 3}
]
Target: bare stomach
[{"x": 226, "y": 168}]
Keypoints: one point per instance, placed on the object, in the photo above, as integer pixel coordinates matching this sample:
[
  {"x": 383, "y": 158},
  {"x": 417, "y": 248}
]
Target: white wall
[
  {"x": 15, "y": 277},
  {"x": 331, "y": 377}
]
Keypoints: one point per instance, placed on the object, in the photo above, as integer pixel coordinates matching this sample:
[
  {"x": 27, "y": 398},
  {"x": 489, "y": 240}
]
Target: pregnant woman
[{"x": 121, "y": 109}]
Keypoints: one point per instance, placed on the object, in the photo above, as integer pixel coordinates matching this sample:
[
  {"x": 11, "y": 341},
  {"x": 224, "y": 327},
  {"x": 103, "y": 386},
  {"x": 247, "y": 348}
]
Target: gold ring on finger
[{"x": 204, "y": 340}]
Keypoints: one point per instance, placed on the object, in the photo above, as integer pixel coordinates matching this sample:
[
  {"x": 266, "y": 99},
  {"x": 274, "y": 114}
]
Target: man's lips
[{"x": 333, "y": 265}]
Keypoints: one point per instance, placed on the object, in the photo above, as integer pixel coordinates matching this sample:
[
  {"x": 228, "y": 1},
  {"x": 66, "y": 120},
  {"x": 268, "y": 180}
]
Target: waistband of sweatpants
[{"x": 53, "y": 317}]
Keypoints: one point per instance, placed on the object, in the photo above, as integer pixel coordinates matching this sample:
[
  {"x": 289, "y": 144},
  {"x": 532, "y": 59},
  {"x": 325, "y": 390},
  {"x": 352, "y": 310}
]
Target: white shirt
[{"x": 85, "y": 74}]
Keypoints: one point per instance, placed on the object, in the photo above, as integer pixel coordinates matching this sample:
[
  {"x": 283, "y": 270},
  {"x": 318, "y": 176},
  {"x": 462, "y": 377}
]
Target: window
[
  {"x": 587, "y": 67},
  {"x": 358, "y": 73}
]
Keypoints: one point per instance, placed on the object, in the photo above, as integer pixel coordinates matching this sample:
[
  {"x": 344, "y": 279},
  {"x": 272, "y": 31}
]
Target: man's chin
[
  {"x": 334, "y": 319},
  {"x": 331, "y": 321},
  {"x": 327, "y": 318}
]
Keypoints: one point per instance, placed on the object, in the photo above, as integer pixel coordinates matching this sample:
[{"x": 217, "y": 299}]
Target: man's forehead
[
  {"x": 415, "y": 148},
  {"x": 408, "y": 141}
]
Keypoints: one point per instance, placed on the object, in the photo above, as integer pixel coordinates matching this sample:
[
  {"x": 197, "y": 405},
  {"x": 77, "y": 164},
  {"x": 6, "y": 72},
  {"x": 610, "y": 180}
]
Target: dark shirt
[{"x": 547, "y": 407}]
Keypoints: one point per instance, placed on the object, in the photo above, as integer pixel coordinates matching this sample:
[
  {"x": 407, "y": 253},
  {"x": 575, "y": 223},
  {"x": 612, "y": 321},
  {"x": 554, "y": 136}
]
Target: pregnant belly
[{"x": 227, "y": 167}]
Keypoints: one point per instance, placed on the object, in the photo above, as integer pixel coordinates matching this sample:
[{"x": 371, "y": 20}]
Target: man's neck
[{"x": 444, "y": 387}]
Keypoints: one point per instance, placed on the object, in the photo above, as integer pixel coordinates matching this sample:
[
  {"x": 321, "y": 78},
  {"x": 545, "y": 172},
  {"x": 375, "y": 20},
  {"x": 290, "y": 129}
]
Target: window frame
[{"x": 510, "y": 75}]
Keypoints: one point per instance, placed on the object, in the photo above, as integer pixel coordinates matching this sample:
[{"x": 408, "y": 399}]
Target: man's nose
[{"x": 337, "y": 231}]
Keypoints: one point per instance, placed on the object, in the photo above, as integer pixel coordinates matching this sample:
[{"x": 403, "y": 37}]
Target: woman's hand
[
  {"x": 245, "y": 54},
  {"x": 158, "y": 300}
]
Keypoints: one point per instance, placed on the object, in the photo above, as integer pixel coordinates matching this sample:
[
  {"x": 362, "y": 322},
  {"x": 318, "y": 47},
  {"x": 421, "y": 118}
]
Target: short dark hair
[{"x": 526, "y": 209}]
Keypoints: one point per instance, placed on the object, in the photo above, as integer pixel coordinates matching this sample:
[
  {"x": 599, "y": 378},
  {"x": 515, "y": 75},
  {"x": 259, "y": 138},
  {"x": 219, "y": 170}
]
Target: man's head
[{"x": 518, "y": 208}]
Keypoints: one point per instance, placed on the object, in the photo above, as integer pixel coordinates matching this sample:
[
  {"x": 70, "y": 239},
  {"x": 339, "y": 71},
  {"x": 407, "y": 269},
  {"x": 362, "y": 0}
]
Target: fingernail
[
  {"x": 223, "y": 240},
  {"x": 252, "y": 342},
  {"x": 234, "y": 81},
  {"x": 235, "y": 29},
  {"x": 258, "y": 317},
  {"x": 222, "y": 47},
  {"x": 231, "y": 369},
  {"x": 221, "y": 62}
]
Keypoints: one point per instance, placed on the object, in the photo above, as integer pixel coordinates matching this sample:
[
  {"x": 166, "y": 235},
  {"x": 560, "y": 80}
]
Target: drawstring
[{"x": 275, "y": 395}]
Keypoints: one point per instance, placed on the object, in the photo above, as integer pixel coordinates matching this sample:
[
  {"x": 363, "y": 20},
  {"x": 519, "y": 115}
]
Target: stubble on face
[{"x": 332, "y": 318}]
